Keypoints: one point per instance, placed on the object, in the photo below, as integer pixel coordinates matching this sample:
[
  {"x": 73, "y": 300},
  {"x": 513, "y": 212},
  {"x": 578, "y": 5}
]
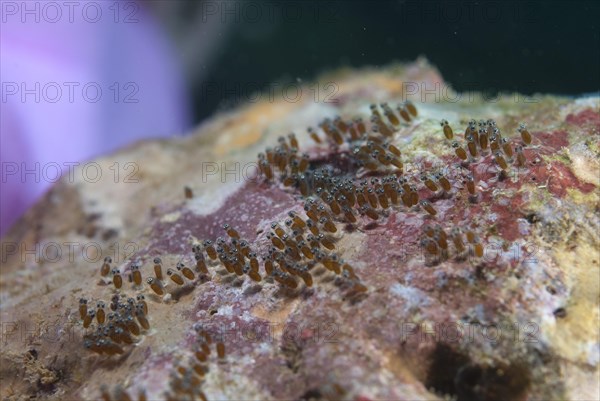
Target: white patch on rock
[
  {"x": 523, "y": 227},
  {"x": 226, "y": 310},
  {"x": 413, "y": 296},
  {"x": 171, "y": 217},
  {"x": 593, "y": 354},
  {"x": 264, "y": 348},
  {"x": 585, "y": 165}
]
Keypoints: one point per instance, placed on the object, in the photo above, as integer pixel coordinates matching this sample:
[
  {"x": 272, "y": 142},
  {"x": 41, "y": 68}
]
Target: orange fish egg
[
  {"x": 441, "y": 241},
  {"x": 478, "y": 249},
  {"x": 293, "y": 140},
  {"x": 340, "y": 124},
  {"x": 370, "y": 212},
  {"x": 471, "y": 145},
  {"x": 392, "y": 118},
  {"x": 210, "y": 249},
  {"x": 471, "y": 184},
  {"x": 187, "y": 192},
  {"x": 313, "y": 135},
  {"x": 117, "y": 279},
  {"x": 405, "y": 196},
  {"x": 158, "y": 268},
  {"x": 186, "y": 271},
  {"x": 142, "y": 319},
  {"x": 220, "y": 350},
  {"x": 508, "y": 151},
  {"x": 136, "y": 274},
  {"x": 132, "y": 326},
  {"x": 374, "y": 110},
  {"x": 414, "y": 195},
  {"x": 458, "y": 240},
  {"x": 429, "y": 183},
  {"x": 231, "y": 232},
  {"x": 100, "y": 314},
  {"x": 428, "y": 207},
  {"x": 446, "y": 186},
  {"x": 87, "y": 320},
  {"x": 393, "y": 194},
  {"x": 430, "y": 246},
  {"x": 307, "y": 278},
  {"x": 326, "y": 241},
  {"x": 382, "y": 197},
  {"x": 268, "y": 266},
  {"x": 447, "y": 130},
  {"x": 372, "y": 198},
  {"x": 276, "y": 241},
  {"x": 349, "y": 215},
  {"x": 404, "y": 113},
  {"x": 175, "y": 277},
  {"x": 328, "y": 225},
  {"x": 348, "y": 271},
  {"x": 155, "y": 285},
  {"x": 337, "y": 137},
  {"x": 520, "y": 161},
  {"x": 428, "y": 230},
  {"x": 495, "y": 141},
  {"x": 265, "y": 168},
  {"x": 105, "y": 269},
  {"x": 500, "y": 160},
  {"x": 460, "y": 152},
  {"x": 525, "y": 135},
  {"x": 394, "y": 150},
  {"x": 201, "y": 264},
  {"x": 411, "y": 108},
  {"x": 142, "y": 301},
  {"x": 333, "y": 204},
  {"x": 82, "y": 308}
]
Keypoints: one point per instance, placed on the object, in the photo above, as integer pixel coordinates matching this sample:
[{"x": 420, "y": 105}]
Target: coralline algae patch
[
  {"x": 247, "y": 207},
  {"x": 587, "y": 118}
]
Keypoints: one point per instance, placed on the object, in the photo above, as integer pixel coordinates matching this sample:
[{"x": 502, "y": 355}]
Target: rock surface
[{"x": 521, "y": 322}]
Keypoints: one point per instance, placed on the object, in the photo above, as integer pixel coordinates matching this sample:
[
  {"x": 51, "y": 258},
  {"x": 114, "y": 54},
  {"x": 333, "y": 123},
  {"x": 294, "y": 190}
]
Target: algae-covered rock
[{"x": 394, "y": 270}]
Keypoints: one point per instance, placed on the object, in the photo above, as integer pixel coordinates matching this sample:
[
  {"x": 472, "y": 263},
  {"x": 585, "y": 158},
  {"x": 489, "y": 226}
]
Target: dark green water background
[{"x": 525, "y": 46}]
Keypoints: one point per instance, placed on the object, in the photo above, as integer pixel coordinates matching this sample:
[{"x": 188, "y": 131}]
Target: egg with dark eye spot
[{"x": 525, "y": 135}]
